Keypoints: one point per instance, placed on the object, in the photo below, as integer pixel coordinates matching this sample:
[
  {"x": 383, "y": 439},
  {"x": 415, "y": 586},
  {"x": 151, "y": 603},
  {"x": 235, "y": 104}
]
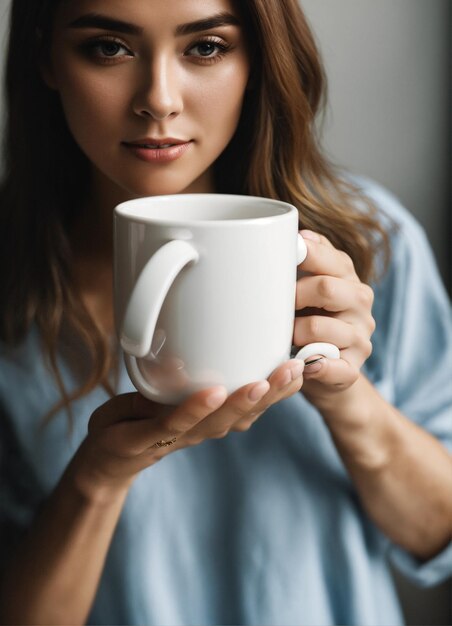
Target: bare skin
[{"x": 54, "y": 577}]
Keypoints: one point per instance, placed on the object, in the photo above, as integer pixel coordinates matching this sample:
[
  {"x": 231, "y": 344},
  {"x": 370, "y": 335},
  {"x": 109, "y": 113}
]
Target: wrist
[
  {"x": 363, "y": 426},
  {"x": 94, "y": 486},
  {"x": 343, "y": 408}
]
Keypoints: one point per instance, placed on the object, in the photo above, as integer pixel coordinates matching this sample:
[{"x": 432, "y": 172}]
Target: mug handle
[
  {"x": 328, "y": 350},
  {"x": 149, "y": 293},
  {"x": 144, "y": 307}
]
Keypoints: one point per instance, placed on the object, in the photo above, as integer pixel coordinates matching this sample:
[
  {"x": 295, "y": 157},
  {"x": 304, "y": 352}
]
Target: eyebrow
[
  {"x": 215, "y": 21},
  {"x": 104, "y": 22}
]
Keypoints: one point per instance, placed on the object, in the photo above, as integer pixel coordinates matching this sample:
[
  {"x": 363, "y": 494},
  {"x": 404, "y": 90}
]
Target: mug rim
[{"x": 126, "y": 210}]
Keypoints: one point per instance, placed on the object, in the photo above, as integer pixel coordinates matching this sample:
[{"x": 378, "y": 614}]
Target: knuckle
[
  {"x": 294, "y": 387},
  {"x": 235, "y": 405},
  {"x": 347, "y": 261},
  {"x": 369, "y": 349},
  {"x": 240, "y": 412},
  {"x": 158, "y": 453},
  {"x": 241, "y": 427},
  {"x": 341, "y": 386},
  {"x": 263, "y": 408},
  {"x": 177, "y": 427},
  {"x": 221, "y": 434},
  {"x": 365, "y": 346},
  {"x": 366, "y": 295},
  {"x": 327, "y": 287},
  {"x": 286, "y": 391},
  {"x": 194, "y": 440},
  {"x": 254, "y": 416},
  {"x": 179, "y": 423},
  {"x": 313, "y": 326}
]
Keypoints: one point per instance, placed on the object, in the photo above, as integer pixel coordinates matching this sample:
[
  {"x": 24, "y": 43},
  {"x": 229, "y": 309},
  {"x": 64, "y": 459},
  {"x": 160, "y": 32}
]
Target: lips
[
  {"x": 154, "y": 143},
  {"x": 155, "y": 146},
  {"x": 158, "y": 150}
]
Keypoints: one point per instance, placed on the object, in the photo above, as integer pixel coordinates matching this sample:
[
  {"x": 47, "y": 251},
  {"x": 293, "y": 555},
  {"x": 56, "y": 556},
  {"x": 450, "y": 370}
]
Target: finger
[
  {"x": 323, "y": 258},
  {"x": 321, "y": 329},
  {"x": 245, "y": 424},
  {"x": 152, "y": 423},
  {"x": 122, "y": 407},
  {"x": 333, "y": 294},
  {"x": 338, "y": 373},
  {"x": 238, "y": 405},
  {"x": 284, "y": 382},
  {"x": 190, "y": 413},
  {"x": 313, "y": 236},
  {"x": 250, "y": 401}
]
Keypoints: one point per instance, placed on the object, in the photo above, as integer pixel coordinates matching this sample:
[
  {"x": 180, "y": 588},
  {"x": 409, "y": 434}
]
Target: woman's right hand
[{"x": 126, "y": 434}]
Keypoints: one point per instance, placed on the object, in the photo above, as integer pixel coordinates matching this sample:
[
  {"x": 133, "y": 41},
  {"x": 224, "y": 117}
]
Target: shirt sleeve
[{"x": 412, "y": 359}]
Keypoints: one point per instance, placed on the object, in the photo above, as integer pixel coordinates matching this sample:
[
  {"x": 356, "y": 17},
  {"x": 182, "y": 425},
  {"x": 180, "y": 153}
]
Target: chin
[{"x": 162, "y": 187}]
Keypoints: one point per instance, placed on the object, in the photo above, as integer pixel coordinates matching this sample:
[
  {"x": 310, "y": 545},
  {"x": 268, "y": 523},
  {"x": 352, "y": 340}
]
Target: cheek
[
  {"x": 219, "y": 101},
  {"x": 91, "y": 107}
]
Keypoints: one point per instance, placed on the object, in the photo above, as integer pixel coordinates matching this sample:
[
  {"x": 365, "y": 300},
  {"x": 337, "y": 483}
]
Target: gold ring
[{"x": 164, "y": 444}]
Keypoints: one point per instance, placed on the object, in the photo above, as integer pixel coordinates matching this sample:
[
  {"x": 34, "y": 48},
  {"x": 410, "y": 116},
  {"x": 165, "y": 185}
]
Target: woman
[{"x": 290, "y": 521}]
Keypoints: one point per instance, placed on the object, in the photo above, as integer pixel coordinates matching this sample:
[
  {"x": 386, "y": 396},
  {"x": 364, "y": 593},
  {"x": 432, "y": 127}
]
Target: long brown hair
[{"x": 274, "y": 153}]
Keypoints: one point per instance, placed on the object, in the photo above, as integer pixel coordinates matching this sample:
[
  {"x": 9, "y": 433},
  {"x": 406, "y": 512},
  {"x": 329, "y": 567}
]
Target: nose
[{"x": 160, "y": 96}]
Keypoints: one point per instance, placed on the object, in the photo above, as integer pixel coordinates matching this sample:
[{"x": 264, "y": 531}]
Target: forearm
[
  {"x": 54, "y": 576},
  {"x": 403, "y": 475}
]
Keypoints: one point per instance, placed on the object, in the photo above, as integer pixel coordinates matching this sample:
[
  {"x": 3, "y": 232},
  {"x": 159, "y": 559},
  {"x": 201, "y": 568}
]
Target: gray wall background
[{"x": 388, "y": 63}]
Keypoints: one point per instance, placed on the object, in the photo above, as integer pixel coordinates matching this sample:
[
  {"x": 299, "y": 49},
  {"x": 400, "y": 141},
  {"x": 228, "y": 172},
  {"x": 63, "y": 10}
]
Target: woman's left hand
[{"x": 333, "y": 306}]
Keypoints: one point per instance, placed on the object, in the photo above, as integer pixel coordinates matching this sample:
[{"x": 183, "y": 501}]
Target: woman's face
[{"x": 152, "y": 91}]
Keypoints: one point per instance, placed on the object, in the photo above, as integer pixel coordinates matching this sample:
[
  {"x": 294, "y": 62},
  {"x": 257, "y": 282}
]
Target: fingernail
[
  {"x": 258, "y": 391},
  {"x": 309, "y": 234},
  {"x": 286, "y": 379},
  {"x": 216, "y": 398},
  {"x": 297, "y": 368},
  {"x": 313, "y": 366},
  {"x": 295, "y": 371}
]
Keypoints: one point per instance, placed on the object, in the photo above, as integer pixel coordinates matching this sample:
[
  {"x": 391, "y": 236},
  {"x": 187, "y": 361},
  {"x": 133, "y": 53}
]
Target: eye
[
  {"x": 105, "y": 49},
  {"x": 109, "y": 48},
  {"x": 208, "y": 49}
]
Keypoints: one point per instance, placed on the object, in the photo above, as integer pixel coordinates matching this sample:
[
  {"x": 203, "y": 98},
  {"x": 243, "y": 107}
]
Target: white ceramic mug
[{"x": 205, "y": 291}]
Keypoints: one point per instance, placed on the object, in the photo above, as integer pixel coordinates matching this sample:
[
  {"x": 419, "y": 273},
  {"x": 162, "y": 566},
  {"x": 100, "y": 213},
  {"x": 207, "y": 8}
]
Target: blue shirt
[{"x": 262, "y": 527}]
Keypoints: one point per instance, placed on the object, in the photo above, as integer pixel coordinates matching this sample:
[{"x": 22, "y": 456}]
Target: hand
[
  {"x": 335, "y": 307},
  {"x": 128, "y": 433}
]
